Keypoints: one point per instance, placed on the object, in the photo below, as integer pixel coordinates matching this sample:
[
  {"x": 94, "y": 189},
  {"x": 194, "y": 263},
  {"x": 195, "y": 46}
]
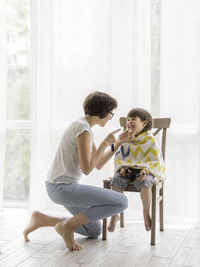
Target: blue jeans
[{"x": 94, "y": 202}]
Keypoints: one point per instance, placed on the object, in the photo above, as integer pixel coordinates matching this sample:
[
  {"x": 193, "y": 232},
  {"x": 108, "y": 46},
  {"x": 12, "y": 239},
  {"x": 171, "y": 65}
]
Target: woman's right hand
[
  {"x": 124, "y": 137},
  {"x": 110, "y": 138}
]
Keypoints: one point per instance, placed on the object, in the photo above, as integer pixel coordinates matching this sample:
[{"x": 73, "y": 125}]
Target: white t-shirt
[{"x": 65, "y": 167}]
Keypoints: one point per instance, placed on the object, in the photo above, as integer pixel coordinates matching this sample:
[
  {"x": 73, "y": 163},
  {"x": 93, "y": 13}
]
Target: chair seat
[{"x": 131, "y": 188}]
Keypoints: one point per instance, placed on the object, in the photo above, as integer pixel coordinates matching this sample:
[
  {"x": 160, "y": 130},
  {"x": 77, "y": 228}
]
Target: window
[{"x": 18, "y": 108}]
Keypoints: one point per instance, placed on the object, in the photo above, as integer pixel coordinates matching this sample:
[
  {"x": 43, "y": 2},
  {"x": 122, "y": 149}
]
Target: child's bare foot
[
  {"x": 147, "y": 221},
  {"x": 37, "y": 221},
  {"x": 114, "y": 219},
  {"x": 66, "y": 232}
]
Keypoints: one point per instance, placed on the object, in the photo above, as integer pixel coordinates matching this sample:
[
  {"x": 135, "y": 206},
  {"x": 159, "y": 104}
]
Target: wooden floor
[{"x": 126, "y": 247}]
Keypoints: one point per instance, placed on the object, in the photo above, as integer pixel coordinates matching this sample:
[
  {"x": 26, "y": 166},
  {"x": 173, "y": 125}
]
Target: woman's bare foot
[
  {"x": 147, "y": 221},
  {"x": 114, "y": 219},
  {"x": 67, "y": 233},
  {"x": 36, "y": 222}
]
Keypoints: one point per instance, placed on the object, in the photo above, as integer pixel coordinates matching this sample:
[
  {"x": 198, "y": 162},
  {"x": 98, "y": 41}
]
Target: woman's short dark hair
[
  {"x": 99, "y": 104},
  {"x": 143, "y": 114}
]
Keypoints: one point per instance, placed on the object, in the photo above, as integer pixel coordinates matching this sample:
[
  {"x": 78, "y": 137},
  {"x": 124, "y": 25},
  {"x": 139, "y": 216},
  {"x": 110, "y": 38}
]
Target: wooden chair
[{"x": 159, "y": 124}]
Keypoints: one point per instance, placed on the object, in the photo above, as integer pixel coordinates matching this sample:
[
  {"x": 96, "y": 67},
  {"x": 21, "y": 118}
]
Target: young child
[{"x": 138, "y": 161}]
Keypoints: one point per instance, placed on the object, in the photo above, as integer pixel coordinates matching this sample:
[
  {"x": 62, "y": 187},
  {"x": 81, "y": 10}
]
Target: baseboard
[
  {"x": 169, "y": 221},
  {"x": 137, "y": 217}
]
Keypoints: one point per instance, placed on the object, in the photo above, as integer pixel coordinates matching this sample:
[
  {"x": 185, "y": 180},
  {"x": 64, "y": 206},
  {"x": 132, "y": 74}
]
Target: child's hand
[
  {"x": 122, "y": 172},
  {"x": 143, "y": 175}
]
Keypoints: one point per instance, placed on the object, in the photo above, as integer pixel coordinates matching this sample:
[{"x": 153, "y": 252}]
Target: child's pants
[{"x": 94, "y": 202}]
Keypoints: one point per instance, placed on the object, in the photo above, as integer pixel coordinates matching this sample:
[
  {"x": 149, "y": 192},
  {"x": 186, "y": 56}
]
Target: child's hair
[
  {"x": 99, "y": 104},
  {"x": 143, "y": 114}
]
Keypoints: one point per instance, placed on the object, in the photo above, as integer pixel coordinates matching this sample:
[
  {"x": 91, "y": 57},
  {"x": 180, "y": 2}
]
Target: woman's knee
[
  {"x": 95, "y": 234},
  {"x": 124, "y": 202},
  {"x": 95, "y": 230}
]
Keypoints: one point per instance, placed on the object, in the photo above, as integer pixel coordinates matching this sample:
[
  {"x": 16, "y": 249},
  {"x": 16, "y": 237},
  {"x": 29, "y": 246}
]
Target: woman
[{"x": 78, "y": 154}]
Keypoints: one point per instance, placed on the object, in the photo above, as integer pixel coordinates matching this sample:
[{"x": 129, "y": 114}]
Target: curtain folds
[
  {"x": 3, "y": 86},
  {"x": 179, "y": 99}
]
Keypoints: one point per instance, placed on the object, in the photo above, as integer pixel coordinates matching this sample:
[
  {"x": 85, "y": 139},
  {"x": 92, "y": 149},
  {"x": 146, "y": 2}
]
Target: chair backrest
[{"x": 160, "y": 124}]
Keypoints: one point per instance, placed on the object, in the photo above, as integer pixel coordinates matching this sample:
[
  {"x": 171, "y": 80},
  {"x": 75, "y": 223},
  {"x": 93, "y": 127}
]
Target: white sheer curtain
[
  {"x": 180, "y": 99},
  {"x": 3, "y": 84},
  {"x": 80, "y": 46}
]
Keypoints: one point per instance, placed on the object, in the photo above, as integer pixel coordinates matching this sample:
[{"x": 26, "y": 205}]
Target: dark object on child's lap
[{"x": 131, "y": 173}]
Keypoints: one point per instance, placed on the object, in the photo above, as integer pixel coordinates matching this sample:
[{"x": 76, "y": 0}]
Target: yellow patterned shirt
[{"x": 142, "y": 152}]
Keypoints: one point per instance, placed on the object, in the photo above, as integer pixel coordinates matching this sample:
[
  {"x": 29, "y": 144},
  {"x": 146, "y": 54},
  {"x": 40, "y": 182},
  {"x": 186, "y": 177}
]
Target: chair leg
[
  {"x": 153, "y": 216},
  {"x": 104, "y": 236},
  {"x": 161, "y": 211},
  {"x": 121, "y": 219},
  {"x": 106, "y": 184}
]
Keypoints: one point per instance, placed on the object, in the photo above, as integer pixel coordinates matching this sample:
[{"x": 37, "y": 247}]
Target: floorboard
[{"x": 129, "y": 246}]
